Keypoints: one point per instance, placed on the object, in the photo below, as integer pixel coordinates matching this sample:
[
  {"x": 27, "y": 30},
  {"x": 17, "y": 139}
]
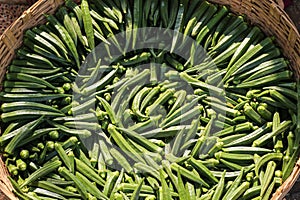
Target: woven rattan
[
  {"x": 266, "y": 14},
  {"x": 9, "y": 13}
]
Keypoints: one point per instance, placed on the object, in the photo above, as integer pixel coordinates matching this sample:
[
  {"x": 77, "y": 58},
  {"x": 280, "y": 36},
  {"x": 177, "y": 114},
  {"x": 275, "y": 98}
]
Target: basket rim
[{"x": 13, "y": 34}]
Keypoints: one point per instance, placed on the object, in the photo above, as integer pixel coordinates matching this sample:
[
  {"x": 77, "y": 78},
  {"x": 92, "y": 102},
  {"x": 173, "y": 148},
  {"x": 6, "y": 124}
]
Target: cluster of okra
[{"x": 152, "y": 124}]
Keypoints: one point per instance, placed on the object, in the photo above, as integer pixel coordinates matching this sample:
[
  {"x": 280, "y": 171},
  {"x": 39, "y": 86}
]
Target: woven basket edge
[
  {"x": 291, "y": 51},
  {"x": 282, "y": 191},
  {"x": 296, "y": 170},
  {"x": 5, "y": 185}
]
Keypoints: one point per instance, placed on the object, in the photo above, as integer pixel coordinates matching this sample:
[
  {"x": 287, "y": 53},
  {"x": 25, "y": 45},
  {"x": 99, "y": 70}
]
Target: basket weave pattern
[
  {"x": 272, "y": 19},
  {"x": 13, "y": 36},
  {"x": 266, "y": 14},
  {"x": 9, "y": 13},
  {"x": 11, "y": 40}
]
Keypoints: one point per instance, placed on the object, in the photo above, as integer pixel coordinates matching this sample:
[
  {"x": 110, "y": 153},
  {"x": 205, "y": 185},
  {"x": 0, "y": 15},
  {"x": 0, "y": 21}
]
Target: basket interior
[{"x": 266, "y": 14}]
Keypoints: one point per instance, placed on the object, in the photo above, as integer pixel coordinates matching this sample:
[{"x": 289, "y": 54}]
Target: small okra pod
[
  {"x": 21, "y": 165},
  {"x": 263, "y": 110},
  {"x": 246, "y": 149},
  {"x": 71, "y": 157},
  {"x": 284, "y": 90},
  {"x": 143, "y": 168},
  {"x": 63, "y": 155},
  {"x": 136, "y": 192},
  {"x": 109, "y": 110},
  {"x": 66, "y": 37},
  {"x": 287, "y": 170},
  {"x": 70, "y": 142},
  {"x": 13, "y": 169},
  {"x": 130, "y": 187},
  {"x": 54, "y": 188},
  {"x": 118, "y": 182},
  {"x": 123, "y": 144},
  {"x": 191, "y": 114},
  {"x": 270, "y": 101},
  {"x": 278, "y": 146},
  {"x": 79, "y": 185},
  {"x": 23, "y": 132},
  {"x": 232, "y": 138},
  {"x": 203, "y": 169},
  {"x": 207, "y": 195},
  {"x": 136, "y": 59},
  {"x": 191, "y": 175},
  {"x": 151, "y": 123},
  {"x": 276, "y": 121},
  {"x": 252, "y": 114},
  {"x": 41, "y": 172},
  {"x": 252, "y": 192},
  {"x": 163, "y": 98},
  {"x": 247, "y": 126},
  {"x": 180, "y": 97},
  {"x": 248, "y": 139},
  {"x": 180, "y": 111},
  {"x": 110, "y": 183},
  {"x": 220, "y": 187},
  {"x": 283, "y": 126},
  {"x": 153, "y": 73},
  {"x": 141, "y": 140},
  {"x": 275, "y": 77},
  {"x": 182, "y": 192},
  {"x": 221, "y": 108},
  {"x": 195, "y": 151},
  {"x": 266, "y": 158},
  {"x": 249, "y": 176},
  {"x": 71, "y": 131},
  {"x": 215, "y": 148},
  {"x": 234, "y": 185},
  {"x": 177, "y": 142},
  {"x": 105, "y": 152},
  {"x": 240, "y": 119},
  {"x": 231, "y": 165},
  {"x": 269, "y": 190},
  {"x": 291, "y": 141},
  {"x": 267, "y": 179},
  {"x": 88, "y": 172},
  {"x": 286, "y": 102},
  {"x": 137, "y": 101},
  {"x": 239, "y": 191},
  {"x": 149, "y": 97},
  {"x": 153, "y": 182},
  {"x": 199, "y": 84}
]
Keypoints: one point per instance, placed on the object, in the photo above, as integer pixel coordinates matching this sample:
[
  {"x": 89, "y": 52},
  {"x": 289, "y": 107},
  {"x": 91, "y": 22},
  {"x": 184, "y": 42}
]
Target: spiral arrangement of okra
[{"x": 224, "y": 128}]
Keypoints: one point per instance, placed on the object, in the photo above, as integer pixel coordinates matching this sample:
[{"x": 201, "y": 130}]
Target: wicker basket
[
  {"x": 10, "y": 12},
  {"x": 266, "y": 14}
]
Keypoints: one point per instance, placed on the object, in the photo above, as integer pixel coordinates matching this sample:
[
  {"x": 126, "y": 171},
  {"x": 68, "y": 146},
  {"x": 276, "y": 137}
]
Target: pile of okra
[{"x": 223, "y": 128}]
